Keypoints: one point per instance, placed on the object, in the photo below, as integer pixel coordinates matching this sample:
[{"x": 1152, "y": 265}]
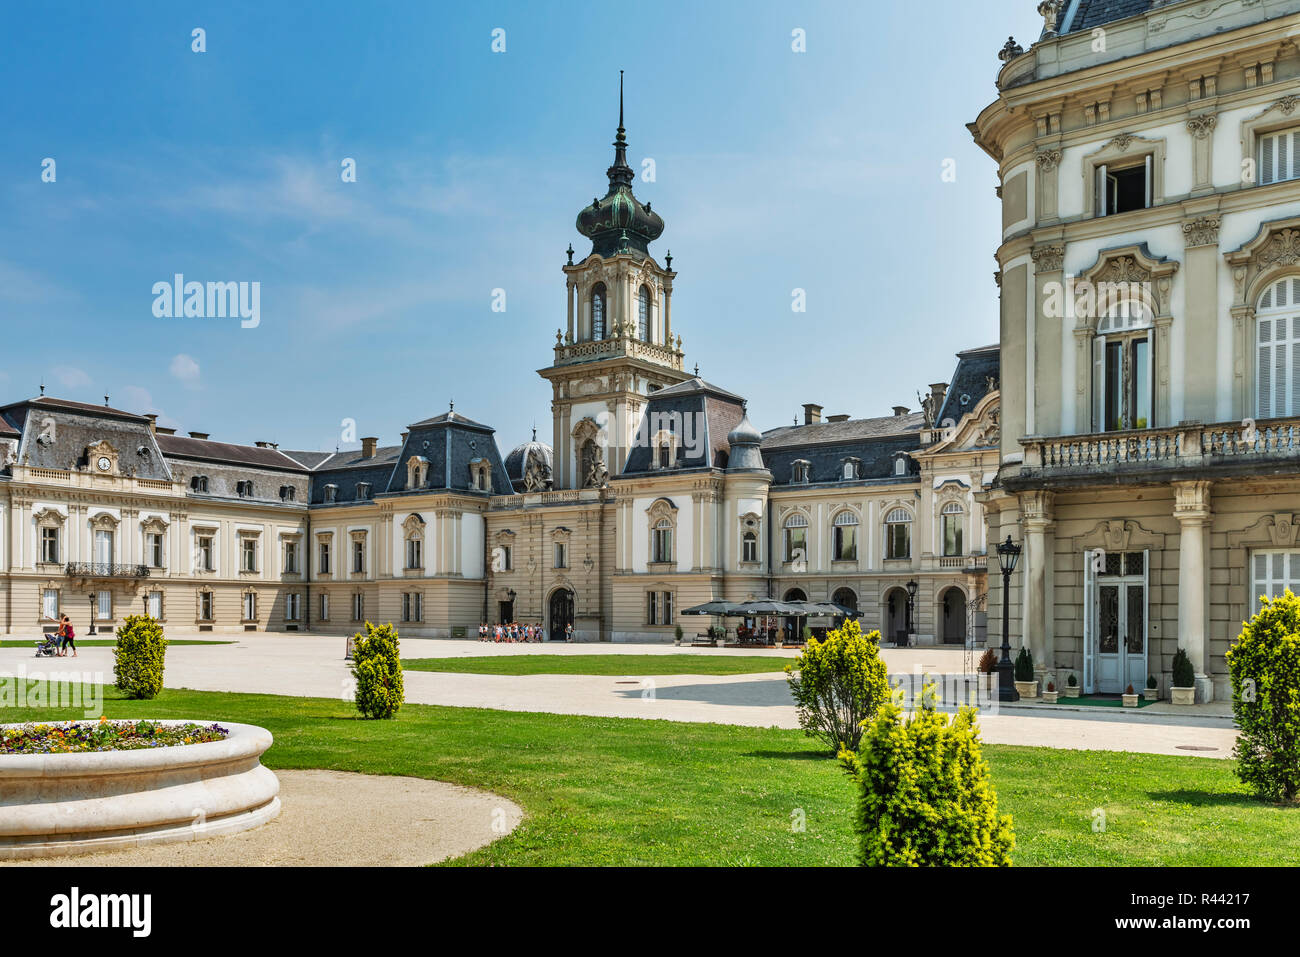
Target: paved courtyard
[{"x": 312, "y": 665}]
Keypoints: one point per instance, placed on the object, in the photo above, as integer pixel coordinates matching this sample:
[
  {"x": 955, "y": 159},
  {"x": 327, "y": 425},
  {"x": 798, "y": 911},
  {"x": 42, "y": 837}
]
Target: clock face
[{"x": 104, "y": 463}]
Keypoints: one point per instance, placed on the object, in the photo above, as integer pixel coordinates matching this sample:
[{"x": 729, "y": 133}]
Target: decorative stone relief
[{"x": 1201, "y": 232}]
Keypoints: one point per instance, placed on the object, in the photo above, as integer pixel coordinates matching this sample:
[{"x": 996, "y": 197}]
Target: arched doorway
[
  {"x": 953, "y": 616},
  {"x": 847, "y": 598},
  {"x": 895, "y": 615},
  {"x": 561, "y": 613},
  {"x": 793, "y": 627}
]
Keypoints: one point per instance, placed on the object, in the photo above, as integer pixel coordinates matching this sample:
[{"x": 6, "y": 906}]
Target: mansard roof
[
  {"x": 55, "y": 433},
  {"x": 226, "y": 453},
  {"x": 1090, "y": 14},
  {"x": 701, "y": 414},
  {"x": 970, "y": 383}
]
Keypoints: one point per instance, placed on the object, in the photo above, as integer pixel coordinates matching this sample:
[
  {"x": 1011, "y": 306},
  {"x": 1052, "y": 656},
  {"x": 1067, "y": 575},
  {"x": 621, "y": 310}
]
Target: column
[
  {"x": 1192, "y": 509},
  {"x": 570, "y": 297},
  {"x": 1038, "y": 519},
  {"x": 668, "y": 317}
]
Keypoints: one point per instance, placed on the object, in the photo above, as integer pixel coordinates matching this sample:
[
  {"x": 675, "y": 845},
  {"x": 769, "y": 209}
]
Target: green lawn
[
  {"x": 626, "y": 791},
  {"x": 638, "y": 665}
]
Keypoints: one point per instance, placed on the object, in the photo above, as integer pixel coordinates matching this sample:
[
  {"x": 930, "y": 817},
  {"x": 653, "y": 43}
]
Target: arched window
[
  {"x": 845, "y": 597},
  {"x": 898, "y": 534},
  {"x": 598, "y": 311},
  {"x": 900, "y": 465},
  {"x": 1121, "y": 367},
  {"x": 796, "y": 538},
  {"x": 800, "y": 472},
  {"x": 952, "y": 523},
  {"x": 749, "y": 547},
  {"x": 1277, "y": 350},
  {"x": 845, "y": 536},
  {"x": 662, "y": 546},
  {"x": 643, "y": 314}
]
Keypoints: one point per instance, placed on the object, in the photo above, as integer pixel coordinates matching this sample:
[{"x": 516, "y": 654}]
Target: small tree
[
  {"x": 924, "y": 794},
  {"x": 1024, "y": 668},
  {"x": 1264, "y": 666},
  {"x": 988, "y": 661},
  {"x": 139, "y": 657},
  {"x": 837, "y": 684},
  {"x": 1184, "y": 673},
  {"x": 377, "y": 668}
]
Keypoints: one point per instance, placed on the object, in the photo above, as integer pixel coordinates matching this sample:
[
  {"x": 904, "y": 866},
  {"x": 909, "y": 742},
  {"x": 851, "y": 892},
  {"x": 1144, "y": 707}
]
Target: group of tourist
[{"x": 513, "y": 631}]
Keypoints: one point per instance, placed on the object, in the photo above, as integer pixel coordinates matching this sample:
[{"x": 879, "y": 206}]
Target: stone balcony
[
  {"x": 106, "y": 570},
  {"x": 1175, "y": 453},
  {"x": 620, "y": 347}
]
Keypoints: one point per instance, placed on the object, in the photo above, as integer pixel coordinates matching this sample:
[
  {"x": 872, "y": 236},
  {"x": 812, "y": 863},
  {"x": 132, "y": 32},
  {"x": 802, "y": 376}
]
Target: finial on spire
[
  {"x": 697, "y": 370},
  {"x": 620, "y": 101},
  {"x": 42, "y": 385},
  {"x": 534, "y": 431},
  {"x": 106, "y": 398},
  {"x": 570, "y": 252}
]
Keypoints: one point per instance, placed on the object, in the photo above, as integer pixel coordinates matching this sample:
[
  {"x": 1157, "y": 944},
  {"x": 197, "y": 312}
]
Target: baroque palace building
[
  {"x": 1149, "y": 159},
  {"x": 655, "y": 494}
]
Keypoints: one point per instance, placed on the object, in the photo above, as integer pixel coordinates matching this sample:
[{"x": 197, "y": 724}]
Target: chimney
[
  {"x": 368, "y": 447},
  {"x": 837, "y": 418},
  {"x": 198, "y": 435},
  {"x": 404, "y": 435},
  {"x": 263, "y": 445},
  {"x": 938, "y": 390},
  {"x": 900, "y": 410},
  {"x": 153, "y": 422},
  {"x": 812, "y": 413},
  {"x": 163, "y": 430}
]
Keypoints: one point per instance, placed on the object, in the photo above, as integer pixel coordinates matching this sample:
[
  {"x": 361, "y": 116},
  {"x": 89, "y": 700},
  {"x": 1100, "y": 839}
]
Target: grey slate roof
[
  {"x": 839, "y": 433},
  {"x": 310, "y": 460},
  {"x": 970, "y": 382},
  {"x": 205, "y": 450},
  {"x": 55, "y": 434},
  {"x": 1094, "y": 13},
  {"x": 699, "y": 413}
]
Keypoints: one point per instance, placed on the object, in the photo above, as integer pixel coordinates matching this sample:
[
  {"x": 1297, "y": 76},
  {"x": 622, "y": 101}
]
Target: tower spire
[{"x": 620, "y": 174}]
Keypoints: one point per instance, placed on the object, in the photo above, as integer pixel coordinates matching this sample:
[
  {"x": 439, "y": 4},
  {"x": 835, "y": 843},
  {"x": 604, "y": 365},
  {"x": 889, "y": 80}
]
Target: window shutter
[
  {"x": 1101, "y": 190},
  {"x": 1099, "y": 384},
  {"x": 1266, "y": 151},
  {"x": 1149, "y": 185},
  {"x": 1264, "y": 368},
  {"x": 1283, "y": 162}
]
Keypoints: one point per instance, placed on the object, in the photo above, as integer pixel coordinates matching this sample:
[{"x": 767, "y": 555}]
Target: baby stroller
[{"x": 48, "y": 647}]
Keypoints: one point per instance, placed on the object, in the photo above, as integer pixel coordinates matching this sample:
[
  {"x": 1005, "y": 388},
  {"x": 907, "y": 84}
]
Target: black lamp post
[
  {"x": 511, "y": 594},
  {"x": 92, "y": 631},
  {"x": 1008, "y": 555},
  {"x": 912, "y": 588}
]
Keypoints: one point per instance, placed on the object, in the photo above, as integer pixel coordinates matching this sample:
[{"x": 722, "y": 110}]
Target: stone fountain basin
[{"x": 56, "y": 804}]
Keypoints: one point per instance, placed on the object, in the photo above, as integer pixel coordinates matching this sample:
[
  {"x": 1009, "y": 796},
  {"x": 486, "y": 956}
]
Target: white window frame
[
  {"x": 1277, "y": 154},
  {"x": 1278, "y": 353}
]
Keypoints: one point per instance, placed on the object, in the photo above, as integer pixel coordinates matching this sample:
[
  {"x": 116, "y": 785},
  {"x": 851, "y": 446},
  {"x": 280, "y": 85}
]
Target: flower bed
[{"x": 104, "y": 735}]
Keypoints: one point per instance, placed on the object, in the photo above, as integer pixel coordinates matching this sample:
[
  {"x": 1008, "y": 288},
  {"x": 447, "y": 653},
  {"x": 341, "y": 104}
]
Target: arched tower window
[
  {"x": 598, "y": 311},
  {"x": 643, "y": 314},
  {"x": 1277, "y": 350}
]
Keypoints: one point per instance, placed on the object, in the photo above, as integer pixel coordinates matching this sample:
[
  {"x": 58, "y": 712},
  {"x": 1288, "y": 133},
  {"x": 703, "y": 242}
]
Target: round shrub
[
  {"x": 377, "y": 668},
  {"x": 840, "y": 682},
  {"x": 924, "y": 794},
  {"x": 1264, "y": 666},
  {"x": 139, "y": 657}
]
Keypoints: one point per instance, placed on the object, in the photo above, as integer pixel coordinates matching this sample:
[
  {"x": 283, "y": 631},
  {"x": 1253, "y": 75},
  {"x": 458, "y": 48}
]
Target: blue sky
[{"x": 775, "y": 170}]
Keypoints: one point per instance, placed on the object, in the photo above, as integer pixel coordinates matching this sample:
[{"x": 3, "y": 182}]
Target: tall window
[
  {"x": 292, "y": 608},
  {"x": 1122, "y": 367},
  {"x": 50, "y": 603},
  {"x": 952, "y": 528},
  {"x": 1279, "y": 156},
  {"x": 800, "y": 472},
  {"x": 846, "y": 537},
  {"x": 156, "y": 604},
  {"x": 561, "y": 555},
  {"x": 662, "y": 547},
  {"x": 154, "y": 540},
  {"x": 643, "y": 315},
  {"x": 749, "y": 547},
  {"x": 598, "y": 311},
  {"x": 323, "y": 565},
  {"x": 250, "y": 606},
  {"x": 796, "y": 538},
  {"x": 1277, "y": 350},
  {"x": 205, "y": 553},
  {"x": 414, "y": 553},
  {"x": 659, "y": 608},
  {"x": 358, "y": 607},
  {"x": 50, "y": 545},
  {"x": 248, "y": 553},
  {"x": 291, "y": 558},
  {"x": 324, "y": 608},
  {"x": 205, "y": 606},
  {"x": 358, "y": 556},
  {"x": 104, "y": 607},
  {"x": 103, "y": 547},
  {"x": 898, "y": 534},
  {"x": 412, "y": 606}
]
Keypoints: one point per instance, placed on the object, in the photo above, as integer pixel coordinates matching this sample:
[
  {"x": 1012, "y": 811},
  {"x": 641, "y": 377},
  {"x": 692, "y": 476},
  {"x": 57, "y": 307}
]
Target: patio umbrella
[
  {"x": 834, "y": 609},
  {"x": 717, "y": 609}
]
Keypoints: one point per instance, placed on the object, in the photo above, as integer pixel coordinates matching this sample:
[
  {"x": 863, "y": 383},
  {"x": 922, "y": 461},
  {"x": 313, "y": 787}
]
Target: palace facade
[
  {"x": 656, "y": 493},
  {"x": 1149, "y": 265}
]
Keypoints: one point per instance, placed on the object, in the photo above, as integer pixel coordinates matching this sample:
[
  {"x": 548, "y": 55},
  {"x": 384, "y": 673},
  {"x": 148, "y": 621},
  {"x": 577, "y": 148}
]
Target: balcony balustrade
[{"x": 106, "y": 570}]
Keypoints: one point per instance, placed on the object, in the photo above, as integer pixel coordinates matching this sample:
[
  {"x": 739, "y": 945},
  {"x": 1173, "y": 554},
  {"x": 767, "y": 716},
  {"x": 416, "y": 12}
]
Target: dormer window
[
  {"x": 199, "y": 483},
  {"x": 801, "y": 472},
  {"x": 480, "y": 475},
  {"x": 363, "y": 491},
  {"x": 900, "y": 465},
  {"x": 287, "y": 493},
  {"x": 331, "y": 493},
  {"x": 849, "y": 469},
  {"x": 244, "y": 488},
  {"x": 417, "y": 470}
]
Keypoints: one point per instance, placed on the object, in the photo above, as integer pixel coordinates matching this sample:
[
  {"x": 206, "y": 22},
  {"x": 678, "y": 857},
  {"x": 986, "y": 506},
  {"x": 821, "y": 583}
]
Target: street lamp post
[
  {"x": 1008, "y": 555},
  {"x": 92, "y": 631},
  {"x": 912, "y": 588}
]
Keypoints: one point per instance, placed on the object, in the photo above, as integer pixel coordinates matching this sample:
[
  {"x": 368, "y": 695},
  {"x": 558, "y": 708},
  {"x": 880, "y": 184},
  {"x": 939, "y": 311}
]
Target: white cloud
[
  {"x": 185, "y": 368},
  {"x": 70, "y": 377},
  {"x": 139, "y": 400}
]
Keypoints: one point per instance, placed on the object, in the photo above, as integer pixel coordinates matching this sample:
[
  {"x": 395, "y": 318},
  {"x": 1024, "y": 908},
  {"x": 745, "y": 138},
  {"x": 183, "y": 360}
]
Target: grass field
[
  {"x": 626, "y": 791},
  {"x": 634, "y": 665}
]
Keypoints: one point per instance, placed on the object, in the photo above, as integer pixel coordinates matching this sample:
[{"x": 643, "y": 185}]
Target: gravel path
[{"x": 337, "y": 819}]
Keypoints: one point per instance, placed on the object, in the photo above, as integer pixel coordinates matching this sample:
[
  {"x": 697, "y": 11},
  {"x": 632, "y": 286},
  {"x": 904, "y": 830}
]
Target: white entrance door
[{"x": 1117, "y": 637}]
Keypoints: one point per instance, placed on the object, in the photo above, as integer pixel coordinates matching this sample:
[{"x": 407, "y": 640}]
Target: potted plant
[
  {"x": 1130, "y": 697},
  {"x": 1183, "y": 690},
  {"x": 988, "y": 671},
  {"x": 1152, "y": 691},
  {"x": 677, "y": 635},
  {"x": 1071, "y": 686},
  {"x": 719, "y": 635},
  {"x": 1050, "y": 694},
  {"x": 1026, "y": 683}
]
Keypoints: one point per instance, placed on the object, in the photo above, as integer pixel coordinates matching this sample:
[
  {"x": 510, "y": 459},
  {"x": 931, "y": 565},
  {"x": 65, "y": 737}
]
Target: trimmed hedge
[
  {"x": 377, "y": 668},
  {"x": 139, "y": 657},
  {"x": 1024, "y": 668},
  {"x": 1264, "y": 666},
  {"x": 924, "y": 794},
  {"x": 840, "y": 683},
  {"x": 1184, "y": 673}
]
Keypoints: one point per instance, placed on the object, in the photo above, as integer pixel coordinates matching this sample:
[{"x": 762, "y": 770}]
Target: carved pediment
[
  {"x": 413, "y": 526},
  {"x": 103, "y": 521},
  {"x": 49, "y": 516},
  {"x": 1274, "y": 248}
]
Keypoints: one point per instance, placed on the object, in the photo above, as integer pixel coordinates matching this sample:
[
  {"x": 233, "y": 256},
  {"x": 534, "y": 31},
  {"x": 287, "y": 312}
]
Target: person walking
[
  {"x": 568, "y": 632},
  {"x": 69, "y": 637}
]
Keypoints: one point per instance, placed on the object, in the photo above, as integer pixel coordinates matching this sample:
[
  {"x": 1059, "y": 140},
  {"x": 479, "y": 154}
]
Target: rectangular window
[
  {"x": 1125, "y": 383},
  {"x": 1125, "y": 189},
  {"x": 291, "y": 607},
  {"x": 358, "y": 607},
  {"x": 205, "y": 606},
  {"x": 898, "y": 540},
  {"x": 1273, "y": 572},
  {"x": 104, "y": 606},
  {"x": 291, "y": 558},
  {"x": 324, "y": 558},
  {"x": 796, "y": 544},
  {"x": 103, "y": 547},
  {"x": 248, "y": 551},
  {"x": 358, "y": 557},
  {"x": 250, "y": 606},
  {"x": 663, "y": 545},
  {"x": 324, "y": 607},
  {"x": 749, "y": 548},
  {"x": 406, "y": 606},
  {"x": 414, "y": 553},
  {"x": 155, "y": 550},
  {"x": 506, "y": 563},
  {"x": 50, "y": 545},
  {"x": 846, "y": 543},
  {"x": 412, "y": 606},
  {"x": 952, "y": 532},
  {"x": 50, "y": 603},
  {"x": 205, "y": 553},
  {"x": 1278, "y": 159},
  {"x": 155, "y": 604},
  {"x": 659, "y": 608},
  {"x": 561, "y": 555}
]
